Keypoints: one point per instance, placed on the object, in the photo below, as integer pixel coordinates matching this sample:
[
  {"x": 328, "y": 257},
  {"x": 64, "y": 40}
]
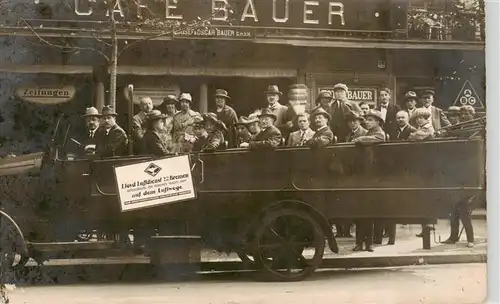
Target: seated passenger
[
  {"x": 355, "y": 122},
  {"x": 155, "y": 140},
  {"x": 269, "y": 136},
  {"x": 374, "y": 122},
  {"x": 208, "y": 133},
  {"x": 425, "y": 130},
  {"x": 300, "y": 137},
  {"x": 242, "y": 131},
  {"x": 253, "y": 124},
  {"x": 91, "y": 117},
  {"x": 323, "y": 135},
  {"x": 111, "y": 139}
]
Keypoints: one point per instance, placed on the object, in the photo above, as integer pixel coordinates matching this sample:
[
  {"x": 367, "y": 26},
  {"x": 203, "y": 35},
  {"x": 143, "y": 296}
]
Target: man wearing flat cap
[
  {"x": 323, "y": 135},
  {"x": 340, "y": 108},
  {"x": 91, "y": 117},
  {"x": 387, "y": 109},
  {"x": 269, "y": 136},
  {"x": 183, "y": 124},
  {"x": 111, "y": 139},
  {"x": 227, "y": 115},
  {"x": 438, "y": 119}
]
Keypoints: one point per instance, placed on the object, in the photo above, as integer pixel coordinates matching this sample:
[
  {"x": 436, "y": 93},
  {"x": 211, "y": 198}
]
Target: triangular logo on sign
[{"x": 468, "y": 96}]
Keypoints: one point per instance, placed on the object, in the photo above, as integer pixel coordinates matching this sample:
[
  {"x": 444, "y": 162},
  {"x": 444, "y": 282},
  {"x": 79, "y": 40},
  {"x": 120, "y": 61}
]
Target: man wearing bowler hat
[
  {"x": 91, "y": 117},
  {"x": 269, "y": 136},
  {"x": 111, "y": 139},
  {"x": 227, "y": 115},
  {"x": 437, "y": 118},
  {"x": 273, "y": 95}
]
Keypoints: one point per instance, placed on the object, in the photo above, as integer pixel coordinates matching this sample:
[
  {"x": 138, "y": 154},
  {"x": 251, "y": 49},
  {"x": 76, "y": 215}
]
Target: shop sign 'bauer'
[
  {"x": 153, "y": 183},
  {"x": 468, "y": 96}
]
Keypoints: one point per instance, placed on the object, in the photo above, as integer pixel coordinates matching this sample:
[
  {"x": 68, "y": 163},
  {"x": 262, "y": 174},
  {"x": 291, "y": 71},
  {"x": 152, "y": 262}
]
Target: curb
[{"x": 332, "y": 263}]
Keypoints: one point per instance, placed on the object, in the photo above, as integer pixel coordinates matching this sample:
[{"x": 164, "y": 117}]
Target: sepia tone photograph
[{"x": 243, "y": 151}]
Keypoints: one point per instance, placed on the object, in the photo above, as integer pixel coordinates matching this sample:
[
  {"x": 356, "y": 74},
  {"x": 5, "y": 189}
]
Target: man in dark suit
[
  {"x": 269, "y": 136},
  {"x": 387, "y": 110},
  {"x": 340, "y": 108},
  {"x": 324, "y": 135},
  {"x": 403, "y": 129},
  {"x": 91, "y": 117},
  {"x": 111, "y": 139}
]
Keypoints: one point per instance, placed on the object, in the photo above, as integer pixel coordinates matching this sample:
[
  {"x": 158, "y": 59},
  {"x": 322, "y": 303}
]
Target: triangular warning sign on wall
[{"x": 468, "y": 96}]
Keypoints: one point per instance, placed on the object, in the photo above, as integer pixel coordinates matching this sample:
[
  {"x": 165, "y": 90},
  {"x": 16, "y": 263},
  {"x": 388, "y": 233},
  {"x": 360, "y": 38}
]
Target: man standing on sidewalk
[{"x": 461, "y": 213}]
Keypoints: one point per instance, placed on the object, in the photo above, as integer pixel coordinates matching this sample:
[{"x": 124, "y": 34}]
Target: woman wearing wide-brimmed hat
[
  {"x": 183, "y": 121},
  {"x": 242, "y": 131},
  {"x": 155, "y": 141},
  {"x": 227, "y": 115}
]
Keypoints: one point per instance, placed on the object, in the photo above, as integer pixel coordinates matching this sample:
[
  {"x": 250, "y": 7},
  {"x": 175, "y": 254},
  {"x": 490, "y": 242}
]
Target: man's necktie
[
  {"x": 91, "y": 135},
  {"x": 302, "y": 138},
  {"x": 398, "y": 133}
]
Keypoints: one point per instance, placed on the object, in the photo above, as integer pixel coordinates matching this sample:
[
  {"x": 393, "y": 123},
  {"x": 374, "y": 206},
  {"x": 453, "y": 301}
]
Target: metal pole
[{"x": 130, "y": 111}]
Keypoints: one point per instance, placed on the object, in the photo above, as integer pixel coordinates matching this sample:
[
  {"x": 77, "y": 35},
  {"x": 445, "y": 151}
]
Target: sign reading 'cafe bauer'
[{"x": 319, "y": 14}]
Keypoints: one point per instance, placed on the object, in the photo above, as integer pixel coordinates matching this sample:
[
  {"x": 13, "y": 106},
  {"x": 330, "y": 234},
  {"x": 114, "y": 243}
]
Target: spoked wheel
[
  {"x": 10, "y": 260},
  {"x": 288, "y": 245}
]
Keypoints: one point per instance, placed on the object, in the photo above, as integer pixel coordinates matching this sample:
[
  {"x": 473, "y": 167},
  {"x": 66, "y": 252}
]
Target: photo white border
[{"x": 492, "y": 10}]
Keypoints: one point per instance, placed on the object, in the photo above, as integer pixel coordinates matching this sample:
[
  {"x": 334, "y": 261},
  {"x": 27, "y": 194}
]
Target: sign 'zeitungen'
[
  {"x": 153, "y": 183},
  {"x": 339, "y": 14}
]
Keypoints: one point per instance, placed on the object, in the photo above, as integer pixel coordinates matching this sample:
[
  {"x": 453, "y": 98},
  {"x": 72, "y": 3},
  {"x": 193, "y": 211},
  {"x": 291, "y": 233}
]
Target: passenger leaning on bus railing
[
  {"x": 269, "y": 137},
  {"x": 425, "y": 130},
  {"x": 209, "y": 133},
  {"x": 374, "y": 123},
  {"x": 154, "y": 139}
]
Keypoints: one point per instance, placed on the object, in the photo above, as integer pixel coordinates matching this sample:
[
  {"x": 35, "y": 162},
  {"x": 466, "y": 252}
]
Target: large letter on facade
[
  {"x": 246, "y": 14},
  {"x": 117, "y": 8},
  {"x": 284, "y": 19},
  {"x": 309, "y": 12},
  {"x": 140, "y": 6},
  {"x": 339, "y": 12},
  {"x": 219, "y": 12},
  {"x": 168, "y": 7},
  {"x": 79, "y": 13}
]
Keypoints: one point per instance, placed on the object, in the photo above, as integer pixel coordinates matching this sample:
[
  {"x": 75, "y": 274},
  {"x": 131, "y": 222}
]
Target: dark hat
[
  {"x": 354, "y": 116},
  {"x": 170, "y": 99},
  {"x": 92, "y": 111},
  {"x": 222, "y": 93},
  {"x": 217, "y": 121},
  {"x": 108, "y": 111},
  {"x": 324, "y": 94},
  {"x": 410, "y": 95},
  {"x": 376, "y": 114},
  {"x": 273, "y": 89},
  {"x": 340, "y": 86},
  {"x": 427, "y": 92},
  {"x": 267, "y": 112},
  {"x": 155, "y": 115},
  {"x": 320, "y": 111}
]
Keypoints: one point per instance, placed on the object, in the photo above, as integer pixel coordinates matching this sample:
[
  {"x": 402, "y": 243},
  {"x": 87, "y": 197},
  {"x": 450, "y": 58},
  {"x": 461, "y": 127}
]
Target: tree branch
[{"x": 62, "y": 47}]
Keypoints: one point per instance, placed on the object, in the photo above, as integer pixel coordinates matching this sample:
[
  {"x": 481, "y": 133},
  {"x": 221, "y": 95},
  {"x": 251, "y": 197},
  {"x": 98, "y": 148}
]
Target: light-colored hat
[
  {"x": 453, "y": 109},
  {"x": 410, "y": 95},
  {"x": 92, "y": 111},
  {"x": 376, "y": 114},
  {"x": 186, "y": 96},
  {"x": 421, "y": 112},
  {"x": 340, "y": 86}
]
